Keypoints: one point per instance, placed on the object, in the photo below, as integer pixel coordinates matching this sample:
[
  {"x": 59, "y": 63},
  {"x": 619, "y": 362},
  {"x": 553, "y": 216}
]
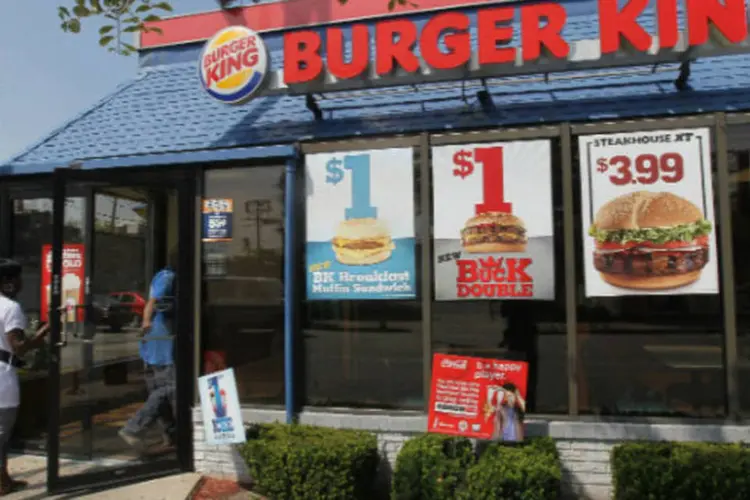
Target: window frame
[{"x": 566, "y": 133}]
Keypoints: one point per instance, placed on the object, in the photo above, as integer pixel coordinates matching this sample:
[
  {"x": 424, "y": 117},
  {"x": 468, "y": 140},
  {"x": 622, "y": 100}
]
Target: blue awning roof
[{"x": 163, "y": 116}]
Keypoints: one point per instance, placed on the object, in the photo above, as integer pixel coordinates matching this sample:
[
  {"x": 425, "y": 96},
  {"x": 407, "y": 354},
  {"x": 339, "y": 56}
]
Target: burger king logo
[{"x": 233, "y": 64}]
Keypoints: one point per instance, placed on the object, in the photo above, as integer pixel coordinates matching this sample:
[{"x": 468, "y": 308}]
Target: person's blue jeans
[{"x": 160, "y": 405}]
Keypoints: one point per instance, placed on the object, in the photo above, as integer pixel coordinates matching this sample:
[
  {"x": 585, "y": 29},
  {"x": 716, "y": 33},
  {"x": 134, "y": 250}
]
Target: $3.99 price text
[{"x": 643, "y": 169}]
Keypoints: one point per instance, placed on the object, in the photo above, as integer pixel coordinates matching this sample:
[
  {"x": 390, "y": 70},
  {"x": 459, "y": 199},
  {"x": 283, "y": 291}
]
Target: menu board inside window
[
  {"x": 493, "y": 221},
  {"x": 647, "y": 211}
]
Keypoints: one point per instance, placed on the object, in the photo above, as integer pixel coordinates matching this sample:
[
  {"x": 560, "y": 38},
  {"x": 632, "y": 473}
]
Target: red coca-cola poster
[
  {"x": 71, "y": 285},
  {"x": 478, "y": 397}
]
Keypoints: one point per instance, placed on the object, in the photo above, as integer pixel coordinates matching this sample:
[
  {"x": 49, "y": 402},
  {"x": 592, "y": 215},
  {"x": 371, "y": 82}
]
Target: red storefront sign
[
  {"x": 71, "y": 282},
  {"x": 541, "y": 35},
  {"x": 477, "y": 397}
]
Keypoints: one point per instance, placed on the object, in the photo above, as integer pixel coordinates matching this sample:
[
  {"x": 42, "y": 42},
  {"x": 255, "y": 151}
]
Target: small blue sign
[
  {"x": 217, "y": 219},
  {"x": 220, "y": 406}
]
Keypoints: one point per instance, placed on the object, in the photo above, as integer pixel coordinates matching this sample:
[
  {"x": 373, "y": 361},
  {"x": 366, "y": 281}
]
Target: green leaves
[
  {"x": 121, "y": 17},
  {"x": 683, "y": 232},
  {"x": 124, "y": 17},
  {"x": 685, "y": 471},
  {"x": 299, "y": 462},
  {"x": 435, "y": 467}
]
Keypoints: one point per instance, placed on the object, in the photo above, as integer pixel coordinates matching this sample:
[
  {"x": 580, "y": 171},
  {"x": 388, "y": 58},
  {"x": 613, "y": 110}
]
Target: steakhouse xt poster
[
  {"x": 493, "y": 229},
  {"x": 360, "y": 225},
  {"x": 478, "y": 398},
  {"x": 647, "y": 209}
]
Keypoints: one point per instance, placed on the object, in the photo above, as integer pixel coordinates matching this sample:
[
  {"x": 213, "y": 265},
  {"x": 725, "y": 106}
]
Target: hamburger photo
[
  {"x": 362, "y": 242},
  {"x": 494, "y": 232},
  {"x": 650, "y": 241}
]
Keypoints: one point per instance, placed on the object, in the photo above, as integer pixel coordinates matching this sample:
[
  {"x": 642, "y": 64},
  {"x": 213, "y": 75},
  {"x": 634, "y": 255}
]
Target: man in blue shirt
[{"x": 156, "y": 351}]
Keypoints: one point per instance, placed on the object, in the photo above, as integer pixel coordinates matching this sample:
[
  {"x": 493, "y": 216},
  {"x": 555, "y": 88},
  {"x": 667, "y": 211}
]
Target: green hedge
[
  {"x": 431, "y": 466},
  {"x": 437, "y": 467},
  {"x": 685, "y": 471},
  {"x": 530, "y": 471},
  {"x": 295, "y": 462}
]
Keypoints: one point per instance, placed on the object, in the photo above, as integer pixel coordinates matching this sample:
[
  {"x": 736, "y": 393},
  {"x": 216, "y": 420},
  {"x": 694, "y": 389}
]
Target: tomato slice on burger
[{"x": 609, "y": 245}]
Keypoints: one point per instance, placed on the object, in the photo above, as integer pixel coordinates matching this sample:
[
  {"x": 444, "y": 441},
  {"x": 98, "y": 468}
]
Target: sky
[{"x": 49, "y": 77}]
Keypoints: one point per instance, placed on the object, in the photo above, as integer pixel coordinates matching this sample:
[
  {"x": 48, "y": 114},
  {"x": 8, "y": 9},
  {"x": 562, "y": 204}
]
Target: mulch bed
[{"x": 211, "y": 488}]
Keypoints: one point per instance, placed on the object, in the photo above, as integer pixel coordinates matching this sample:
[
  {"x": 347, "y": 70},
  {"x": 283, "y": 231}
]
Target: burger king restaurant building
[{"x": 564, "y": 183}]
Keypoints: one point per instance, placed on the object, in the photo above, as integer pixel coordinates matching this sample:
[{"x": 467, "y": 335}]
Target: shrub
[
  {"x": 688, "y": 471},
  {"x": 528, "y": 471},
  {"x": 431, "y": 467},
  {"x": 296, "y": 462}
]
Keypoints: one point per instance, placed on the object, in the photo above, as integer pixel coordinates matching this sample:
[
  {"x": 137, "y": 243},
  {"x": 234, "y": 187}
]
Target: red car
[{"x": 134, "y": 301}]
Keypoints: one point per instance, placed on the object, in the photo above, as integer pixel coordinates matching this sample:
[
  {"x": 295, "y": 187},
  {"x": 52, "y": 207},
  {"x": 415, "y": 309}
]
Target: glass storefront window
[
  {"x": 739, "y": 192},
  {"x": 31, "y": 228},
  {"x": 243, "y": 308},
  {"x": 648, "y": 355},
  {"x": 363, "y": 353},
  {"x": 521, "y": 330}
]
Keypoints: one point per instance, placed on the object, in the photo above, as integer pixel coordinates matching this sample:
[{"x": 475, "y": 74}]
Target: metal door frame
[{"x": 184, "y": 183}]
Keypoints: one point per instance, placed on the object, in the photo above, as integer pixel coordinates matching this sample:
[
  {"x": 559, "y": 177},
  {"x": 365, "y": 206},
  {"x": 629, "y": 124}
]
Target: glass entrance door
[{"x": 119, "y": 303}]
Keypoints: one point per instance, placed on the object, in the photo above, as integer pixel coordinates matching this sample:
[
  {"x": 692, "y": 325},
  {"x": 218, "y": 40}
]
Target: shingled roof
[{"x": 164, "y": 109}]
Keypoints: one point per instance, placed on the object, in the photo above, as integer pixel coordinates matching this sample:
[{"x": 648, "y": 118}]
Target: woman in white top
[{"x": 13, "y": 345}]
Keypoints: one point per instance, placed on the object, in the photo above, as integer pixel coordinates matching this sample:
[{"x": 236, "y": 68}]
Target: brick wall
[
  {"x": 586, "y": 472},
  {"x": 584, "y": 446}
]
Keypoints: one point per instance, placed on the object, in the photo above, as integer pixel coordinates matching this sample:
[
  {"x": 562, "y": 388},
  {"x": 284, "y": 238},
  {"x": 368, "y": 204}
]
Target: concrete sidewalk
[{"x": 34, "y": 470}]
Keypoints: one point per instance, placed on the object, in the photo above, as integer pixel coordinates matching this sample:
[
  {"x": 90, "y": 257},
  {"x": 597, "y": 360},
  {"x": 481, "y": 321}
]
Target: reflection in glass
[
  {"x": 363, "y": 354},
  {"x": 520, "y": 330},
  {"x": 648, "y": 355},
  {"x": 31, "y": 229},
  {"x": 243, "y": 310},
  {"x": 739, "y": 192}
]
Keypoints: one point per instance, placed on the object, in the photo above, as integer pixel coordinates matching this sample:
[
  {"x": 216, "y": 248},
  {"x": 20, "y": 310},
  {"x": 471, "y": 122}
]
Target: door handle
[{"x": 64, "y": 332}]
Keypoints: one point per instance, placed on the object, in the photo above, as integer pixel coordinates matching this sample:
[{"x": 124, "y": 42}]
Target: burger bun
[
  {"x": 495, "y": 248},
  {"x": 356, "y": 258},
  {"x": 362, "y": 229},
  {"x": 496, "y": 218},
  {"x": 651, "y": 282},
  {"x": 644, "y": 209}
]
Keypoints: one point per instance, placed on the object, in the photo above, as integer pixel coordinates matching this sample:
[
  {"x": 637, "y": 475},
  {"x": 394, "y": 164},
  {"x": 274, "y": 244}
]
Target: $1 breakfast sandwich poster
[
  {"x": 360, "y": 225},
  {"x": 493, "y": 228},
  {"x": 647, "y": 209}
]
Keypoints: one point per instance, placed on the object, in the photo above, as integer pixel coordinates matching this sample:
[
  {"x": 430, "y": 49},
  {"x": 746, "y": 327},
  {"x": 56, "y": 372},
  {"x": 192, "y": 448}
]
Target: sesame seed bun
[{"x": 643, "y": 209}]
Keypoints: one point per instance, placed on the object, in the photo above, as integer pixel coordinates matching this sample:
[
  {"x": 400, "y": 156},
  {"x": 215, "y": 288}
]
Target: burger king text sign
[
  {"x": 648, "y": 213},
  {"x": 493, "y": 221}
]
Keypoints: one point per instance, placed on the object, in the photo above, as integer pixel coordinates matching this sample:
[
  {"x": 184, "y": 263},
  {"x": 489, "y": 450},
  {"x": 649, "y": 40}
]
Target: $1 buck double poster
[{"x": 493, "y": 229}]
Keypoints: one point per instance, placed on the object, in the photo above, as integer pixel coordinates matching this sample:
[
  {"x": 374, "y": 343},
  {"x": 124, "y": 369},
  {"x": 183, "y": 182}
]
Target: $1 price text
[
  {"x": 358, "y": 166},
  {"x": 493, "y": 190}
]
